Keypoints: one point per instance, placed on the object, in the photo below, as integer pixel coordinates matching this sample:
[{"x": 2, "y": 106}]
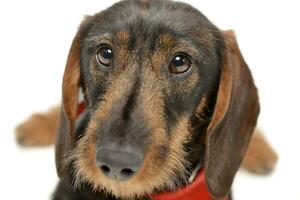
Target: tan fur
[
  {"x": 39, "y": 129},
  {"x": 260, "y": 157},
  {"x": 201, "y": 107}
]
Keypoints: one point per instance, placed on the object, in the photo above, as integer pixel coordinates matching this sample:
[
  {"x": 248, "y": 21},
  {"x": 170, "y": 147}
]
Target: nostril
[
  {"x": 105, "y": 169},
  {"x": 118, "y": 165},
  {"x": 127, "y": 172}
]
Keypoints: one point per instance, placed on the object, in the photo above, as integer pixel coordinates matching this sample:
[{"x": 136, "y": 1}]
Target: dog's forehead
[{"x": 147, "y": 21}]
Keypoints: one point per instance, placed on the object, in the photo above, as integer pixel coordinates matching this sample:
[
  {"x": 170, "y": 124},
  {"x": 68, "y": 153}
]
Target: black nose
[{"x": 119, "y": 165}]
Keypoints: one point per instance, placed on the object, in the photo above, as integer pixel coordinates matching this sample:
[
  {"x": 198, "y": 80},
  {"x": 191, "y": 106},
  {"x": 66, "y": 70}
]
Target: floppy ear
[
  {"x": 233, "y": 120},
  {"x": 65, "y": 138}
]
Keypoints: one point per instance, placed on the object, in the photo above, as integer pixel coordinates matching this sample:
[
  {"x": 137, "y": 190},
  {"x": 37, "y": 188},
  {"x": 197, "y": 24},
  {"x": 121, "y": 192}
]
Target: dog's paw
[
  {"x": 260, "y": 157},
  {"x": 38, "y": 130}
]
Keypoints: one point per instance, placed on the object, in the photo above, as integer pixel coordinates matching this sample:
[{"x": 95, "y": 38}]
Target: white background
[{"x": 35, "y": 37}]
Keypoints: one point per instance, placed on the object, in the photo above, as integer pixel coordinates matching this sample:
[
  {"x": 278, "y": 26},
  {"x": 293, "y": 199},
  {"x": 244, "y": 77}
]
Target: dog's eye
[
  {"x": 180, "y": 64},
  {"x": 105, "y": 56}
]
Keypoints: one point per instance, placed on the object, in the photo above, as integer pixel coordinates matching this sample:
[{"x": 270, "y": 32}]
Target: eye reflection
[
  {"x": 105, "y": 55},
  {"x": 180, "y": 64}
]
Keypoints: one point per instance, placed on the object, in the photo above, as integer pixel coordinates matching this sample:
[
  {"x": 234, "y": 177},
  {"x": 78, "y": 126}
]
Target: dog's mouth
[
  {"x": 127, "y": 174},
  {"x": 149, "y": 179}
]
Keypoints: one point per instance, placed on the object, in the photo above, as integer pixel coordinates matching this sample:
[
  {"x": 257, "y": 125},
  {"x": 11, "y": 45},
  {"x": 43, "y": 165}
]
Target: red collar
[
  {"x": 81, "y": 107},
  {"x": 197, "y": 190}
]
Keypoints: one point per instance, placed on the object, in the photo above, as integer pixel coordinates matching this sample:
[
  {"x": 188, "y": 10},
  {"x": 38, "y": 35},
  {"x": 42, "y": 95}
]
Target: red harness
[{"x": 197, "y": 190}]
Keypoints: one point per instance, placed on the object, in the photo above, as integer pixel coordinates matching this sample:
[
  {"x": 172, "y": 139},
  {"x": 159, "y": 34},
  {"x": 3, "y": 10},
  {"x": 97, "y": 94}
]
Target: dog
[{"x": 166, "y": 96}]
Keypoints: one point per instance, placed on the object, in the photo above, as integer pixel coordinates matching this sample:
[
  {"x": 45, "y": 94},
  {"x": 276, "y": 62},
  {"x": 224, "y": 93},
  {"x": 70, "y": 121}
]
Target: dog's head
[{"x": 160, "y": 81}]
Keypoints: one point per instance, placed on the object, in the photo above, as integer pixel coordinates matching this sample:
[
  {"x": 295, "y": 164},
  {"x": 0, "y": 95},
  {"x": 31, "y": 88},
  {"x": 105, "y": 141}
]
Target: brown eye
[
  {"x": 105, "y": 56},
  {"x": 180, "y": 64}
]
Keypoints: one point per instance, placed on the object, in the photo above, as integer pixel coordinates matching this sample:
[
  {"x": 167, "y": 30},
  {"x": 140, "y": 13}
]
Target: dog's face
[{"x": 150, "y": 72}]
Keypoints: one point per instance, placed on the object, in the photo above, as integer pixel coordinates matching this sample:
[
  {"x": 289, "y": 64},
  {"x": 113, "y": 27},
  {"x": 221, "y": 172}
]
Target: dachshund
[{"x": 165, "y": 94}]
